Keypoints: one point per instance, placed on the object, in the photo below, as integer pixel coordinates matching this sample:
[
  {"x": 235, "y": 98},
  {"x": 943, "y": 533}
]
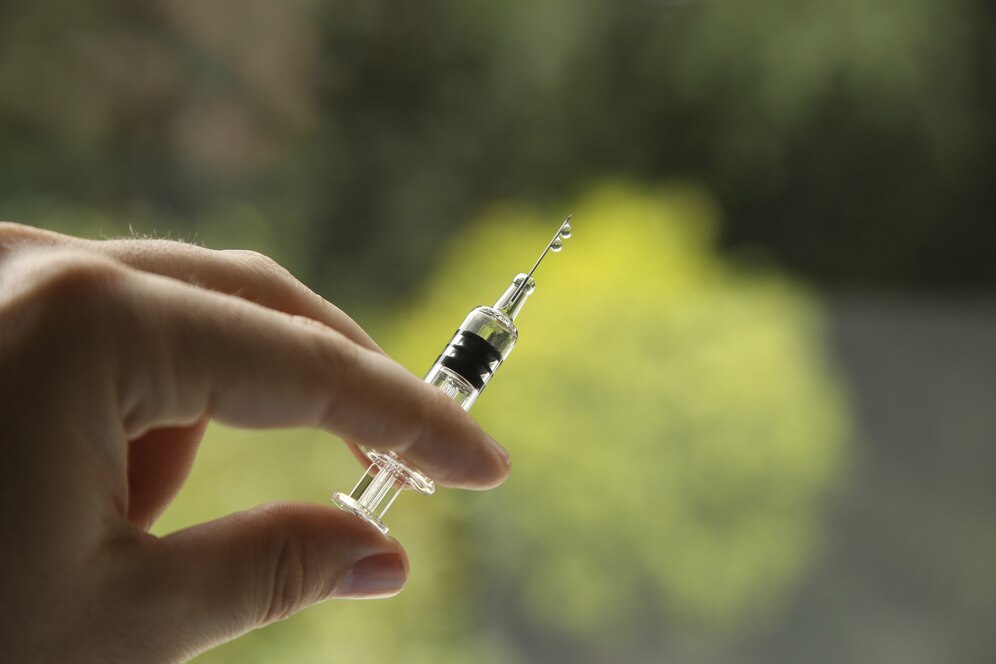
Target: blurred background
[{"x": 752, "y": 409}]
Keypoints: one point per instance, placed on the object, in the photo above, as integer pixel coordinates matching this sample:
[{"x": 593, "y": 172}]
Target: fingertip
[
  {"x": 374, "y": 577},
  {"x": 485, "y": 467},
  {"x": 499, "y": 451}
]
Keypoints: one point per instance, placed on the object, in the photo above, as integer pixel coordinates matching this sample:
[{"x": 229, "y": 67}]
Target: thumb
[{"x": 221, "y": 579}]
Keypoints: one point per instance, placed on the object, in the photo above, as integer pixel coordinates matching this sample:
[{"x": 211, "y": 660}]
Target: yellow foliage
[{"x": 672, "y": 418}]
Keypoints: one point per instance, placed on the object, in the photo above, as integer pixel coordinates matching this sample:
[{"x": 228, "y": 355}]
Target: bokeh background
[{"x": 752, "y": 410}]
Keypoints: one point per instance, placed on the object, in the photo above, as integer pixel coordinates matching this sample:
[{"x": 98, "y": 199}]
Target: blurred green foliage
[
  {"x": 852, "y": 139},
  {"x": 672, "y": 418}
]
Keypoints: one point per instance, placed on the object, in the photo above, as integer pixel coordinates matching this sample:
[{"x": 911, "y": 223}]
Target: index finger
[{"x": 199, "y": 352}]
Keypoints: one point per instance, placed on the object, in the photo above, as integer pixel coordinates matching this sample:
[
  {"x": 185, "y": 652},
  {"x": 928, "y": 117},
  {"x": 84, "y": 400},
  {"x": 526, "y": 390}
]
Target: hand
[{"x": 113, "y": 357}]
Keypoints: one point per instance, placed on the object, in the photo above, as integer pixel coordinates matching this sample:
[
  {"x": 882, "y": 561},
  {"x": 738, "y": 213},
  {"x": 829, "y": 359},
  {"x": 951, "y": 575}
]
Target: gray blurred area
[{"x": 907, "y": 568}]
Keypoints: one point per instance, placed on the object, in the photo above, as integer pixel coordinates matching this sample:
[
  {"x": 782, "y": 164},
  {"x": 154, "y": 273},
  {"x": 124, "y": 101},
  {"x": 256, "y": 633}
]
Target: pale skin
[{"x": 114, "y": 356}]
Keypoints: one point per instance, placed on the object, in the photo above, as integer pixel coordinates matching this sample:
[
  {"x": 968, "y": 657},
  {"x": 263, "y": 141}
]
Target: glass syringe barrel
[
  {"x": 471, "y": 358},
  {"x": 481, "y": 343}
]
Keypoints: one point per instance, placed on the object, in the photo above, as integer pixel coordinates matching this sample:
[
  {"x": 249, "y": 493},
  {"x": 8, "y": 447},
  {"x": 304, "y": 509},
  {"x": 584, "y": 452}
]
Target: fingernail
[
  {"x": 381, "y": 575},
  {"x": 499, "y": 450}
]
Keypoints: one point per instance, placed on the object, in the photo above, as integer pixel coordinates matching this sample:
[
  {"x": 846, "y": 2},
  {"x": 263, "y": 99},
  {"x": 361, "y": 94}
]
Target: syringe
[{"x": 471, "y": 358}]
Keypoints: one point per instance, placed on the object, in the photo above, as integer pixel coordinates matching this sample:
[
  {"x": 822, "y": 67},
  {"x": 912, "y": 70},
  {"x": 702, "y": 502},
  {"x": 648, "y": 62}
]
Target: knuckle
[
  {"x": 14, "y": 236},
  {"x": 69, "y": 278},
  {"x": 9, "y": 231},
  {"x": 65, "y": 291},
  {"x": 60, "y": 311},
  {"x": 293, "y": 569},
  {"x": 258, "y": 262},
  {"x": 262, "y": 277},
  {"x": 286, "y": 591}
]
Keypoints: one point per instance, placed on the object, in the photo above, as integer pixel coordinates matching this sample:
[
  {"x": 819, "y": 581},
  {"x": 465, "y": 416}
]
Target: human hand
[{"x": 114, "y": 355}]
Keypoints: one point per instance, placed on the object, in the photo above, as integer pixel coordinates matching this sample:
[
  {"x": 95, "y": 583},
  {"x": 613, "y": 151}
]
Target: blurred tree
[{"x": 672, "y": 420}]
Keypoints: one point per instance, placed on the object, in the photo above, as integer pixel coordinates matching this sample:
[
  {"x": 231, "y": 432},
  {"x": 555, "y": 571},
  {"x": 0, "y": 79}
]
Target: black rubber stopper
[{"x": 471, "y": 357}]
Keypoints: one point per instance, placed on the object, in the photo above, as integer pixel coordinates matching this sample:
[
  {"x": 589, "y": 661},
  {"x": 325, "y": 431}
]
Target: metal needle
[{"x": 557, "y": 237}]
